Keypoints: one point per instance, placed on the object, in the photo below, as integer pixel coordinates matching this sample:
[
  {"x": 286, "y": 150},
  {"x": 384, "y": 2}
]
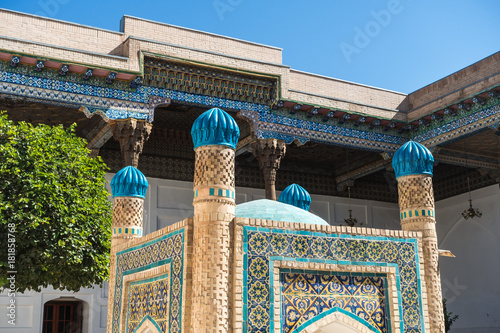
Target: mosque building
[{"x": 252, "y": 197}]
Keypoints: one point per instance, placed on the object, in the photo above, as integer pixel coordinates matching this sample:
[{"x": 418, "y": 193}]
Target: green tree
[
  {"x": 449, "y": 318},
  {"x": 54, "y": 208}
]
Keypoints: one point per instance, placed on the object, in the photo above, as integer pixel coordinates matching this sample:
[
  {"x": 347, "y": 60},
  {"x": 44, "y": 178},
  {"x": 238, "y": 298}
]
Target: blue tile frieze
[{"x": 119, "y": 101}]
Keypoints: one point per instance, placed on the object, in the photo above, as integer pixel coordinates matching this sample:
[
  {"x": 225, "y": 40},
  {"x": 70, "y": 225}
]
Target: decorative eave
[
  {"x": 409, "y": 129},
  {"x": 64, "y": 67}
]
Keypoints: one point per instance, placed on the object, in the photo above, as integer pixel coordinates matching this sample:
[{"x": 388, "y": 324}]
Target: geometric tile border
[
  {"x": 143, "y": 277},
  {"x": 167, "y": 250},
  {"x": 119, "y": 102},
  {"x": 392, "y": 297},
  {"x": 264, "y": 247}
]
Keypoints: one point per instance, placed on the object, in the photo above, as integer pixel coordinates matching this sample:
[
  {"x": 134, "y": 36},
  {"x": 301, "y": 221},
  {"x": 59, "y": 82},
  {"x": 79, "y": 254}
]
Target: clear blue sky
[{"x": 400, "y": 45}]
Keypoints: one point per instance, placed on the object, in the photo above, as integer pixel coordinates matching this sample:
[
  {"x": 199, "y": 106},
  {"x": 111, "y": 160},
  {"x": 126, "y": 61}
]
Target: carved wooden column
[
  {"x": 131, "y": 133},
  {"x": 269, "y": 153}
]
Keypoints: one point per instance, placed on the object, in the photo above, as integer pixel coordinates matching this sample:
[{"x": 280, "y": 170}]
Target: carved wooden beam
[{"x": 366, "y": 169}]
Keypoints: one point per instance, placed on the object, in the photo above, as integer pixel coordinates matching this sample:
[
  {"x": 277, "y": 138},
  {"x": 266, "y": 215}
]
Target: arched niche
[
  {"x": 147, "y": 325},
  {"x": 336, "y": 320}
]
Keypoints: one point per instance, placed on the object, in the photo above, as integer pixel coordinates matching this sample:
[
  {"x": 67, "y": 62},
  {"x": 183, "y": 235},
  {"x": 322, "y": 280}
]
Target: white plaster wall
[
  {"x": 29, "y": 309},
  {"x": 470, "y": 281}
]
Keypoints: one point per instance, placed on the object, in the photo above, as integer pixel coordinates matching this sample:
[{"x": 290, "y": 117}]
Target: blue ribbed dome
[
  {"x": 277, "y": 211},
  {"x": 215, "y": 127},
  {"x": 412, "y": 159},
  {"x": 297, "y": 196},
  {"x": 129, "y": 182}
]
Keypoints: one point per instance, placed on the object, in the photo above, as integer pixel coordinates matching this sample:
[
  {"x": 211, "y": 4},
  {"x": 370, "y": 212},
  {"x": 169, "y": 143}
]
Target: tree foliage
[
  {"x": 54, "y": 204},
  {"x": 449, "y": 318}
]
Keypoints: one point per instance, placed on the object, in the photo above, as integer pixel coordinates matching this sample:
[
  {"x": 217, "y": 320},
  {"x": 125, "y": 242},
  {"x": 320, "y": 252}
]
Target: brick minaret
[
  {"x": 413, "y": 164},
  {"x": 129, "y": 188},
  {"x": 215, "y": 135}
]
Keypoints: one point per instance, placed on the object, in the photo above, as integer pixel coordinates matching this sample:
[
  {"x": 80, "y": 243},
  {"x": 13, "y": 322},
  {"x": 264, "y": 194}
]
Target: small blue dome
[
  {"x": 277, "y": 211},
  {"x": 297, "y": 196},
  {"x": 412, "y": 158},
  {"x": 215, "y": 127},
  {"x": 129, "y": 182}
]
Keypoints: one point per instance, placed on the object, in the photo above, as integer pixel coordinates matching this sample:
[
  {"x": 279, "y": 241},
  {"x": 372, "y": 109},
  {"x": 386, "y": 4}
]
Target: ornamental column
[
  {"x": 215, "y": 135},
  {"x": 269, "y": 153},
  {"x": 131, "y": 133},
  {"x": 413, "y": 164},
  {"x": 128, "y": 187}
]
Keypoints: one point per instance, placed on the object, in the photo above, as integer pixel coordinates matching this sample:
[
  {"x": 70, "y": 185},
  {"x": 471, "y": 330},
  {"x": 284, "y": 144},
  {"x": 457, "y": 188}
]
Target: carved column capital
[
  {"x": 131, "y": 133},
  {"x": 269, "y": 153}
]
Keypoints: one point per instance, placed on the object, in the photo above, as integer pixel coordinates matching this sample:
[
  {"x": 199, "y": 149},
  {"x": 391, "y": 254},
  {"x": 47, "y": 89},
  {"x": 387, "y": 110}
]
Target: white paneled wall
[
  {"x": 470, "y": 281},
  {"x": 169, "y": 201}
]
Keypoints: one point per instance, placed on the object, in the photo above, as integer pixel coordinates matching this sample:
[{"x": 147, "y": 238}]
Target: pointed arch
[
  {"x": 148, "y": 325},
  {"x": 334, "y": 318}
]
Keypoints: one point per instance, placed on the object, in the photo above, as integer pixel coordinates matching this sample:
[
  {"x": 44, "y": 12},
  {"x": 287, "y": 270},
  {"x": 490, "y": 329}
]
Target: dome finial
[
  {"x": 412, "y": 158},
  {"x": 297, "y": 196},
  {"x": 129, "y": 182},
  {"x": 215, "y": 127}
]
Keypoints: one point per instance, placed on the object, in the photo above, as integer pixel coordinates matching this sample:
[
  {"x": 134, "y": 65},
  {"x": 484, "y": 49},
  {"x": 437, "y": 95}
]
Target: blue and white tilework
[
  {"x": 262, "y": 246},
  {"x": 168, "y": 249}
]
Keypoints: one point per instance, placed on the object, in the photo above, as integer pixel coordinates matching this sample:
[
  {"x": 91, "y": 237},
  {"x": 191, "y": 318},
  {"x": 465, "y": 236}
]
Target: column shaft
[
  {"x": 416, "y": 203},
  {"x": 214, "y": 206},
  {"x": 127, "y": 224}
]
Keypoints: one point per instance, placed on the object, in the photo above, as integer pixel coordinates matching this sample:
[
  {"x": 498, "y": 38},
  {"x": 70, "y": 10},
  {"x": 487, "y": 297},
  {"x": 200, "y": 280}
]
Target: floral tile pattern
[
  {"x": 149, "y": 297},
  {"x": 164, "y": 250},
  {"x": 301, "y": 292},
  {"x": 304, "y": 296}
]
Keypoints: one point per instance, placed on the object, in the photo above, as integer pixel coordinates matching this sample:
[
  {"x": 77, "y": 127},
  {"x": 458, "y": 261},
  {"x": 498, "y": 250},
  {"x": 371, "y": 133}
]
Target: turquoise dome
[
  {"x": 297, "y": 196},
  {"x": 129, "y": 182},
  {"x": 277, "y": 211},
  {"x": 412, "y": 158},
  {"x": 215, "y": 127}
]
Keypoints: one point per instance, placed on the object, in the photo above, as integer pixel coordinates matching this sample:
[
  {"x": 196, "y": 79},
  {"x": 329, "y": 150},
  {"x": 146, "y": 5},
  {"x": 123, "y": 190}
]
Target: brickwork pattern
[
  {"x": 127, "y": 212},
  {"x": 416, "y": 191},
  {"x": 214, "y": 165},
  {"x": 212, "y": 251},
  {"x": 211, "y": 284}
]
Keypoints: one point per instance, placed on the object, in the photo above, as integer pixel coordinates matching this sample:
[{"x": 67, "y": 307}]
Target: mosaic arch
[
  {"x": 148, "y": 325},
  {"x": 335, "y": 321}
]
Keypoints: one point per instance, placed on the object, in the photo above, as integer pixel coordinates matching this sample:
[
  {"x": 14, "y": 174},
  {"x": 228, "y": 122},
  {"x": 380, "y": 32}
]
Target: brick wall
[{"x": 471, "y": 80}]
